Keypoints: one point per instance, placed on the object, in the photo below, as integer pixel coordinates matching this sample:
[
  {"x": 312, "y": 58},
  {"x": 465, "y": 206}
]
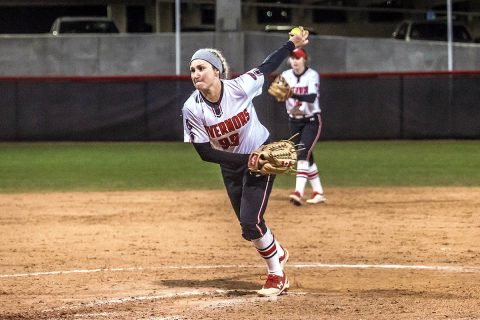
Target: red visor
[{"x": 299, "y": 53}]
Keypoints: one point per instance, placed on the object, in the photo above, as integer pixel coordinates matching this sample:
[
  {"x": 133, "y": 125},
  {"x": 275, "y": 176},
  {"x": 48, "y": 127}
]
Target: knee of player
[
  {"x": 302, "y": 155},
  {"x": 253, "y": 231}
]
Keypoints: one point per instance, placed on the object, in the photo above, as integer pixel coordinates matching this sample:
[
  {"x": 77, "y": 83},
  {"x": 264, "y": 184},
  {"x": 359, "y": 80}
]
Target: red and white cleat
[
  {"x": 296, "y": 198},
  {"x": 317, "y": 198},
  {"x": 274, "y": 286}
]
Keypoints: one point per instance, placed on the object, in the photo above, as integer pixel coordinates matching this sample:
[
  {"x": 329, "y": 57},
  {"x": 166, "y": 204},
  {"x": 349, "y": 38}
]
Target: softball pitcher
[
  {"x": 304, "y": 115},
  {"x": 220, "y": 121}
]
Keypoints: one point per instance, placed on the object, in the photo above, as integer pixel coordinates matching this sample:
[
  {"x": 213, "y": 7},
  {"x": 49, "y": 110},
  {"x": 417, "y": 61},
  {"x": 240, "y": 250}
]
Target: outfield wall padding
[{"x": 354, "y": 106}]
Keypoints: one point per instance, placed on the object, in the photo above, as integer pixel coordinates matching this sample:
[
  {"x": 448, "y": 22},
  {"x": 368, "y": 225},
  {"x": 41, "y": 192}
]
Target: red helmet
[{"x": 299, "y": 53}]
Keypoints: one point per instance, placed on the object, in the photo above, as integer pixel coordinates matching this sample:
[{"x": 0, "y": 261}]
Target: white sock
[
  {"x": 267, "y": 248},
  {"x": 314, "y": 179},
  {"x": 279, "y": 249},
  {"x": 302, "y": 176}
]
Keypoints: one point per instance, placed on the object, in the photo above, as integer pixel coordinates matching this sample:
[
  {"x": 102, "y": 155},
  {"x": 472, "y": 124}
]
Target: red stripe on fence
[
  {"x": 134, "y": 78},
  {"x": 96, "y": 78}
]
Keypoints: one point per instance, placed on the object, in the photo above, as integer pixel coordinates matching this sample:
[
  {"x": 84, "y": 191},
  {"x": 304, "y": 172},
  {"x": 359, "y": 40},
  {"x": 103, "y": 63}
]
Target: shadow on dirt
[
  {"x": 397, "y": 293},
  {"x": 227, "y": 284}
]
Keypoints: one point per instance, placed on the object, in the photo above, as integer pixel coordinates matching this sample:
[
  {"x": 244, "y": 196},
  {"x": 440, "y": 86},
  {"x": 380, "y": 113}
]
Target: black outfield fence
[
  {"x": 402, "y": 105},
  {"x": 431, "y": 105}
]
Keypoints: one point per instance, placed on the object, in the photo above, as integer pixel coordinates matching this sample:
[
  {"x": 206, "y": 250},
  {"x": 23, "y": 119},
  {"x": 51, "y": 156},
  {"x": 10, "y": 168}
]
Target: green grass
[
  {"x": 33, "y": 167},
  {"x": 400, "y": 163}
]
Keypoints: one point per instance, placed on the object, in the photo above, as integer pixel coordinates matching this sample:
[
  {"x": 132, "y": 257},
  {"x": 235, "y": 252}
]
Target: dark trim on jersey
[
  {"x": 273, "y": 60},
  {"x": 229, "y": 159},
  {"x": 215, "y": 106},
  {"x": 299, "y": 75},
  {"x": 310, "y": 98}
]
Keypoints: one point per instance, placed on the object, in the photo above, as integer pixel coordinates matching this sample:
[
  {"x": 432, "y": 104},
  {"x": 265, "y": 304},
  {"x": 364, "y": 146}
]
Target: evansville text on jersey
[
  {"x": 300, "y": 90},
  {"x": 225, "y": 127},
  {"x": 228, "y": 126}
]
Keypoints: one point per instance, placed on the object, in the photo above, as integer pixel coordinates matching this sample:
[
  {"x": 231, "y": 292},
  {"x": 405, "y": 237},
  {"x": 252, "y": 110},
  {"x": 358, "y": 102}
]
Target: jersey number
[{"x": 230, "y": 141}]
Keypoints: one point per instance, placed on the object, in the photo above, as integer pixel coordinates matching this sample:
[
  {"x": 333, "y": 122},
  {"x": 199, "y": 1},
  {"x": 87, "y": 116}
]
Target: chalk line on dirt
[
  {"x": 229, "y": 301},
  {"x": 461, "y": 269}
]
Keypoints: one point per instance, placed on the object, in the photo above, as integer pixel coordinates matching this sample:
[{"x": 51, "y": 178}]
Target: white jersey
[
  {"x": 234, "y": 127},
  {"x": 307, "y": 83}
]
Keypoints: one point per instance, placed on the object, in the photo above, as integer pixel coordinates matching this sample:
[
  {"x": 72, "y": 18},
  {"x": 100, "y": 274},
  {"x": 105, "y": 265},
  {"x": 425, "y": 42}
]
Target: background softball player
[
  {"x": 303, "y": 109},
  {"x": 221, "y": 123}
]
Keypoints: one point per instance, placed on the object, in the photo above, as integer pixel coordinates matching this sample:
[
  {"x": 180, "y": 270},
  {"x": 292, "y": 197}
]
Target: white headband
[{"x": 210, "y": 57}]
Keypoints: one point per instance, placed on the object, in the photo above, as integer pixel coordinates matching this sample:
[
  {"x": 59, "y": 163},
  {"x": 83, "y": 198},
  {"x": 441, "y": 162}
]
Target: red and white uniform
[
  {"x": 307, "y": 83},
  {"x": 233, "y": 126}
]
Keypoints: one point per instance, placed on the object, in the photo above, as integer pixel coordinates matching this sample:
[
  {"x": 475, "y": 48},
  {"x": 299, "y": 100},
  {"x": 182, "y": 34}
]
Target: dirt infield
[{"x": 395, "y": 253}]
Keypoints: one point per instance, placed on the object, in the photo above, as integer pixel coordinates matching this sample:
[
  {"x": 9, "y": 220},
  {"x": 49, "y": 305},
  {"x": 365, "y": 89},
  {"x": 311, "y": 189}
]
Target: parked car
[
  {"x": 432, "y": 30},
  {"x": 63, "y": 25}
]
